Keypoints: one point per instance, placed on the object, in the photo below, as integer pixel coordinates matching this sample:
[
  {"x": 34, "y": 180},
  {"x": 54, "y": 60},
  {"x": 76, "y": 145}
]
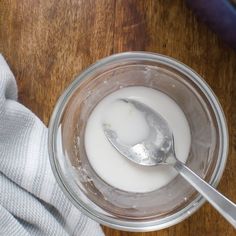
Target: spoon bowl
[{"x": 156, "y": 149}]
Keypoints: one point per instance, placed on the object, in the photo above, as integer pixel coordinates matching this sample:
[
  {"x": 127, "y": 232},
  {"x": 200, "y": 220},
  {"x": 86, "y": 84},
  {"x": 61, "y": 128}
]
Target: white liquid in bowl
[{"x": 131, "y": 127}]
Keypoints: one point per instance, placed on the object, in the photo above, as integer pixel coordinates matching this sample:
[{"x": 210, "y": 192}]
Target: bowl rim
[{"x": 149, "y": 225}]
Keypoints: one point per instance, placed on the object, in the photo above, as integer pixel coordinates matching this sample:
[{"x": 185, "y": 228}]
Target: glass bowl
[{"x": 128, "y": 210}]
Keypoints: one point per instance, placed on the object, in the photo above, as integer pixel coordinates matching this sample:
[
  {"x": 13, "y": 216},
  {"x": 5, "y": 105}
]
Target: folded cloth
[{"x": 31, "y": 203}]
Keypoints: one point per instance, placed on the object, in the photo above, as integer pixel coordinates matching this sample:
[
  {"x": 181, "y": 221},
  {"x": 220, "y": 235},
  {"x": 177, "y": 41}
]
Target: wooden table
[{"x": 47, "y": 43}]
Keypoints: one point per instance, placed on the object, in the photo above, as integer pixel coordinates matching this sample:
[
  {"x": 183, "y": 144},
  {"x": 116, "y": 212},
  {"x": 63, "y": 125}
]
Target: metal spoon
[{"x": 158, "y": 149}]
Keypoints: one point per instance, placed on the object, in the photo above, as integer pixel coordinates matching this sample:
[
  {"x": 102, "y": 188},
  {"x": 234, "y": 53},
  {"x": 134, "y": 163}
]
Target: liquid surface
[{"x": 132, "y": 128}]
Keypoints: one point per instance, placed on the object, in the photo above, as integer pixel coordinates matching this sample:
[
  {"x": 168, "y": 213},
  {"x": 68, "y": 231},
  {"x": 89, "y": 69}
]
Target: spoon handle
[{"x": 223, "y": 205}]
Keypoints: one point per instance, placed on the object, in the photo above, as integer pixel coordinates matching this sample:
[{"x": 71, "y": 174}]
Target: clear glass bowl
[{"x": 126, "y": 210}]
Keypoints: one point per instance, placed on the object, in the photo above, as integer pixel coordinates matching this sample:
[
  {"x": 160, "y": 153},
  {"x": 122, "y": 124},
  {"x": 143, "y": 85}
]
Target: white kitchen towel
[{"x": 31, "y": 202}]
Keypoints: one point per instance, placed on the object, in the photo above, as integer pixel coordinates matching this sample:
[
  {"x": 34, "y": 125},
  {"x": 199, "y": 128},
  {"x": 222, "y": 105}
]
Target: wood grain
[{"x": 47, "y": 43}]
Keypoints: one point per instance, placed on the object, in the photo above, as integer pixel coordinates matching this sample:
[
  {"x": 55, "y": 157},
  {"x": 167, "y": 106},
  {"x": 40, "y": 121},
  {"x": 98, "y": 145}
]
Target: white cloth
[{"x": 31, "y": 202}]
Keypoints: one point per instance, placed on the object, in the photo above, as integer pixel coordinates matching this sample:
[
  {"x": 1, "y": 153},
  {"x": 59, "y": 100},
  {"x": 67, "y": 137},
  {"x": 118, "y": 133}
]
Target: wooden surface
[{"x": 47, "y": 43}]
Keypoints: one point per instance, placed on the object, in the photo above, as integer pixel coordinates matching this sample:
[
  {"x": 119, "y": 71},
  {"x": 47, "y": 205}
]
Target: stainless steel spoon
[{"x": 158, "y": 149}]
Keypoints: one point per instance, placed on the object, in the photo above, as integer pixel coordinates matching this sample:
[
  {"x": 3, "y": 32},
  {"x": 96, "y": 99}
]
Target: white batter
[{"x": 131, "y": 128}]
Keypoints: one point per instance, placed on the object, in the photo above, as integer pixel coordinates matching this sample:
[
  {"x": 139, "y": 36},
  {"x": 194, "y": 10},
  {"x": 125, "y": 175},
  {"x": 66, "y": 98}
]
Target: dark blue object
[{"x": 220, "y": 15}]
